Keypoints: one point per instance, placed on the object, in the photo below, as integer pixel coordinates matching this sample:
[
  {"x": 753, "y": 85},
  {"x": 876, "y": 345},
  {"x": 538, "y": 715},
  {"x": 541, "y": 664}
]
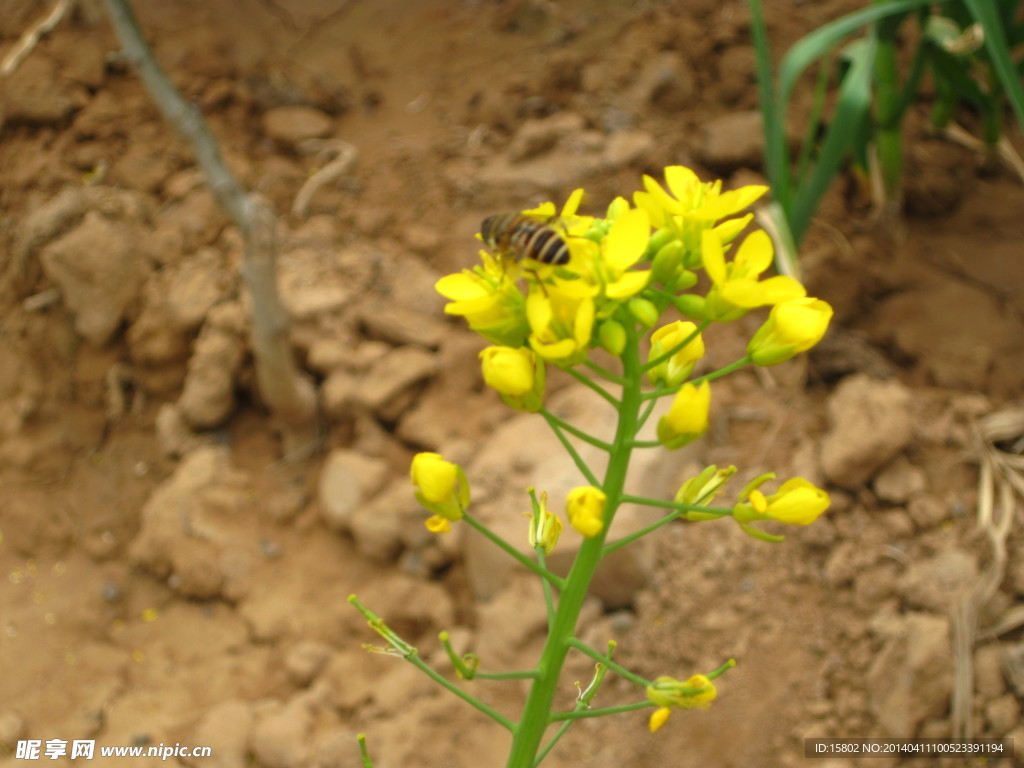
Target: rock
[
  {"x": 292, "y": 125},
  {"x": 186, "y": 534},
  {"x": 304, "y": 661},
  {"x": 338, "y": 393},
  {"x": 173, "y": 433},
  {"x": 910, "y": 680},
  {"x": 414, "y": 609},
  {"x": 870, "y": 423},
  {"x": 624, "y": 148},
  {"x": 388, "y": 523},
  {"x": 666, "y": 80},
  {"x": 736, "y": 73},
  {"x": 509, "y": 622},
  {"x": 733, "y": 140},
  {"x": 208, "y": 395},
  {"x": 347, "y": 480},
  {"x": 197, "y": 284},
  {"x": 12, "y": 728},
  {"x": 535, "y": 137},
  {"x": 99, "y": 268},
  {"x": 392, "y": 376},
  {"x": 37, "y": 93},
  {"x": 280, "y": 735},
  {"x": 989, "y": 681},
  {"x": 400, "y": 326},
  {"x": 940, "y": 583},
  {"x": 899, "y": 481},
  {"x": 927, "y": 512},
  {"x": 1002, "y": 714},
  {"x": 228, "y": 725}
]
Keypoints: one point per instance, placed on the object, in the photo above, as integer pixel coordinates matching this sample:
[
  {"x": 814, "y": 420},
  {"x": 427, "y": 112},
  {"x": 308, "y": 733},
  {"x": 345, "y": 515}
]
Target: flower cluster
[{"x": 627, "y": 269}]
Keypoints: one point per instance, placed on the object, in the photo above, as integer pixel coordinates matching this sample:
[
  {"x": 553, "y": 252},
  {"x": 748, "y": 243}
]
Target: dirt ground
[{"x": 172, "y": 578}]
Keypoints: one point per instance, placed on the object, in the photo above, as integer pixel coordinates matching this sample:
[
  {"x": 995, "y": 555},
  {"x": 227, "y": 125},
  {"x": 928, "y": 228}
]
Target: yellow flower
[
  {"x": 736, "y": 285},
  {"x": 585, "y": 508},
  {"x": 517, "y": 374},
  {"x": 441, "y": 487},
  {"x": 623, "y": 246},
  {"x": 793, "y": 326},
  {"x": 545, "y": 527},
  {"x": 687, "y": 418},
  {"x": 668, "y": 693},
  {"x": 692, "y": 198},
  {"x": 490, "y": 301},
  {"x": 675, "y": 370},
  {"x": 797, "y": 502},
  {"x": 562, "y": 321}
]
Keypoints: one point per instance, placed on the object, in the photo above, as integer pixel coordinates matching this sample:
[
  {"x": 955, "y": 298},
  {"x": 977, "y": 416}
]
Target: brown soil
[{"x": 168, "y": 586}]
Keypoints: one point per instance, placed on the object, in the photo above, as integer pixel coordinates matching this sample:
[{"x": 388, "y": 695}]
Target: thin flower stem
[
  {"x": 528, "y": 674},
  {"x": 604, "y": 373},
  {"x": 652, "y": 401},
  {"x": 492, "y": 713},
  {"x": 654, "y": 394},
  {"x": 554, "y": 740},
  {"x": 646, "y": 444},
  {"x": 526, "y": 562},
  {"x": 589, "y": 382},
  {"x": 580, "y": 463},
  {"x": 580, "y": 715},
  {"x": 605, "y": 659},
  {"x": 576, "y": 431},
  {"x": 680, "y": 509}
]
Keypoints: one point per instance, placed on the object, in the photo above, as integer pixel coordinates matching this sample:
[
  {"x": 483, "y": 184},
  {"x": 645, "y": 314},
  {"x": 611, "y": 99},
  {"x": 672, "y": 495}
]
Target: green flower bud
[
  {"x": 691, "y": 305},
  {"x": 644, "y": 311},
  {"x": 612, "y": 336}
]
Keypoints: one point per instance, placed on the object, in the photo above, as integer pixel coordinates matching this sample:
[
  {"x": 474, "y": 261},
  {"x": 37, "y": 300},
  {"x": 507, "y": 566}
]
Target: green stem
[
  {"x": 535, "y": 716},
  {"x": 492, "y": 713},
  {"x": 549, "y": 600},
  {"x": 602, "y": 658},
  {"x": 579, "y": 715},
  {"x": 526, "y": 562},
  {"x": 570, "y": 448},
  {"x": 601, "y": 371},
  {"x": 576, "y": 431},
  {"x": 589, "y": 382}
]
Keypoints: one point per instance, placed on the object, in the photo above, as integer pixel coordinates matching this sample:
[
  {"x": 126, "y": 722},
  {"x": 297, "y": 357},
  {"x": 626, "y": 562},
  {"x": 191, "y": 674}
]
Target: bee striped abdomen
[{"x": 519, "y": 236}]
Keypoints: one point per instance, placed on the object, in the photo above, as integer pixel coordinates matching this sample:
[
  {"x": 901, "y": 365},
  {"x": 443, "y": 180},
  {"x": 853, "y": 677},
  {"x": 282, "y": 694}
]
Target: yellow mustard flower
[
  {"x": 623, "y": 246},
  {"x": 490, "y": 301},
  {"x": 797, "y": 502},
  {"x": 561, "y": 321},
  {"x": 517, "y": 374},
  {"x": 585, "y": 509},
  {"x": 687, "y": 418},
  {"x": 668, "y": 693},
  {"x": 793, "y": 326},
  {"x": 676, "y": 369},
  {"x": 737, "y": 286},
  {"x": 441, "y": 487},
  {"x": 688, "y": 196}
]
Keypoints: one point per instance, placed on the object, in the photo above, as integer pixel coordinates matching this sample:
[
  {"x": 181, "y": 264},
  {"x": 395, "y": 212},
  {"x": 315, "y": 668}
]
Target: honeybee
[{"x": 518, "y": 236}]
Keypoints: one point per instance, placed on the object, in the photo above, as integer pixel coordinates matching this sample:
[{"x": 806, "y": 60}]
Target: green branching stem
[
  {"x": 544, "y": 573},
  {"x": 549, "y": 599},
  {"x": 681, "y": 509},
  {"x": 603, "y": 372},
  {"x": 576, "y": 431},
  {"x": 526, "y": 742},
  {"x": 602, "y": 658},
  {"x": 570, "y": 448},
  {"x": 580, "y": 715},
  {"x": 590, "y": 383}
]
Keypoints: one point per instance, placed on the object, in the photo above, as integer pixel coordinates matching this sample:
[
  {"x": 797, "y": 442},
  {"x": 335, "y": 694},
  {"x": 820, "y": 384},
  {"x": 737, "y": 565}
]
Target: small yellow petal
[{"x": 659, "y": 717}]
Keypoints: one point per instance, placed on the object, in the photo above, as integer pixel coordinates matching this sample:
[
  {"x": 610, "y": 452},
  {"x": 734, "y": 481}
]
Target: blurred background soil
[{"x": 170, "y": 577}]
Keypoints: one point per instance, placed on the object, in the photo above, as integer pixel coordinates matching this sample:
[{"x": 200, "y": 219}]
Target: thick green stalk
[
  {"x": 888, "y": 117},
  {"x": 537, "y": 710}
]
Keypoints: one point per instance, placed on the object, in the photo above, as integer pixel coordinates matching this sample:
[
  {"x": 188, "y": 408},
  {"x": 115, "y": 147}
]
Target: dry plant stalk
[
  {"x": 32, "y": 36},
  {"x": 289, "y": 395},
  {"x": 1002, "y": 475}
]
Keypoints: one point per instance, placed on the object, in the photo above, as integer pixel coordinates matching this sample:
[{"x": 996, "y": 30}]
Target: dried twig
[
  {"x": 341, "y": 156},
  {"x": 285, "y": 391},
  {"x": 32, "y": 36}
]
